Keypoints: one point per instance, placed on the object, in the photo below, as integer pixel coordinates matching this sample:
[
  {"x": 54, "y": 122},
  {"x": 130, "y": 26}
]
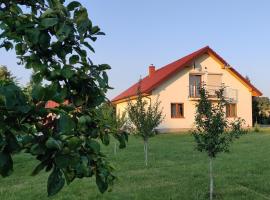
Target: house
[{"x": 177, "y": 86}]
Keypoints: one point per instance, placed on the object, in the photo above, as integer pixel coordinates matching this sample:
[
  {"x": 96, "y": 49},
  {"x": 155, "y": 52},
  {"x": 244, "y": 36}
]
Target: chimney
[{"x": 152, "y": 70}]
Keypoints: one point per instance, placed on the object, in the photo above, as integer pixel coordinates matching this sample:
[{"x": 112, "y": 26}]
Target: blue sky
[{"x": 144, "y": 32}]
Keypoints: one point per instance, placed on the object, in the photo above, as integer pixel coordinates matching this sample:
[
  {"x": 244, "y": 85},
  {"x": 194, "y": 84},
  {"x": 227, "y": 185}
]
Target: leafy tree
[
  {"x": 144, "y": 117},
  {"x": 247, "y": 78},
  {"x": 52, "y": 38},
  {"x": 5, "y": 74},
  {"x": 261, "y": 110},
  {"x": 214, "y": 133}
]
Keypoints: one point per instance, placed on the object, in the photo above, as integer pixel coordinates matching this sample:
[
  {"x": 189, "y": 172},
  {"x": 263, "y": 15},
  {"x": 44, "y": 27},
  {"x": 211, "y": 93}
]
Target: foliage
[
  {"x": 214, "y": 133},
  {"x": 144, "y": 117},
  {"x": 117, "y": 125},
  {"x": 5, "y": 74},
  {"x": 52, "y": 39},
  {"x": 261, "y": 110}
]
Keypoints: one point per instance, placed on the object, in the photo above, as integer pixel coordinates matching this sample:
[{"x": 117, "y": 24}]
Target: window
[
  {"x": 194, "y": 85},
  {"x": 213, "y": 84},
  {"x": 177, "y": 110},
  {"x": 231, "y": 110}
]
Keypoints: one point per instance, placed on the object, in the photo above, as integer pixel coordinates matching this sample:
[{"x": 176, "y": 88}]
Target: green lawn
[{"x": 176, "y": 171}]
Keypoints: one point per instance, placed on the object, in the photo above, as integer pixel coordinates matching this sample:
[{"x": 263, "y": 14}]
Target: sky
[{"x": 144, "y": 32}]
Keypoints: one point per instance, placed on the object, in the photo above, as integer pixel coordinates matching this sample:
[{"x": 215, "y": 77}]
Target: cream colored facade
[{"x": 177, "y": 90}]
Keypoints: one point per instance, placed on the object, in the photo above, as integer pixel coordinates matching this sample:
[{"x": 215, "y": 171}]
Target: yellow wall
[
  {"x": 176, "y": 90},
  {"x": 121, "y": 107}
]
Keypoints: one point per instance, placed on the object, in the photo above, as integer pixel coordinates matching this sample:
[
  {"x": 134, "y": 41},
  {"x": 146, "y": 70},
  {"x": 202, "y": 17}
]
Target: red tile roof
[
  {"x": 53, "y": 104},
  {"x": 151, "y": 82}
]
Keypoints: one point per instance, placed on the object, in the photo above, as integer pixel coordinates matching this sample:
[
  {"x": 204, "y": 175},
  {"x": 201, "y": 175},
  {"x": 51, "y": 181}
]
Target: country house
[{"x": 177, "y": 86}]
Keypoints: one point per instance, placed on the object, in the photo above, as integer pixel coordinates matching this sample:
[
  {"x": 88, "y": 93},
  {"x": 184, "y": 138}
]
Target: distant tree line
[{"x": 261, "y": 110}]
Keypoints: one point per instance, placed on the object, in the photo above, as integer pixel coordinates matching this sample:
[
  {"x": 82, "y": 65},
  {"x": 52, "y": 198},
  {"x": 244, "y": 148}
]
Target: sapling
[
  {"x": 213, "y": 133},
  {"x": 144, "y": 116}
]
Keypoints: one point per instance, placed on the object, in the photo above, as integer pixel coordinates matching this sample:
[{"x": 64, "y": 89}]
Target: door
[{"x": 194, "y": 85}]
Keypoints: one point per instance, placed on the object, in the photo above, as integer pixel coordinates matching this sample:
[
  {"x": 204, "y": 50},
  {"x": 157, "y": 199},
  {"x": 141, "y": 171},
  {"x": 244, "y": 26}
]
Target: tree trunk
[
  {"x": 146, "y": 151},
  {"x": 211, "y": 178}
]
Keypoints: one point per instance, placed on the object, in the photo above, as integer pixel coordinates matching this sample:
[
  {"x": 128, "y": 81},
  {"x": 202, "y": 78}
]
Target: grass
[{"x": 175, "y": 171}]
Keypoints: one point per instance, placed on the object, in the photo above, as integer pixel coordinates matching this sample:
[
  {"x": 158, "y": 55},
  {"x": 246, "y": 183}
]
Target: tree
[
  {"x": 261, "y": 110},
  {"x": 247, "y": 78},
  {"x": 5, "y": 74},
  {"x": 52, "y": 38},
  {"x": 144, "y": 117},
  {"x": 214, "y": 133}
]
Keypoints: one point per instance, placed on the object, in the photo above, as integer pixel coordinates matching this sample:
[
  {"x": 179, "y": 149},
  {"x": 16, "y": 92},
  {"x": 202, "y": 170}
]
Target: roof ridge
[{"x": 203, "y": 48}]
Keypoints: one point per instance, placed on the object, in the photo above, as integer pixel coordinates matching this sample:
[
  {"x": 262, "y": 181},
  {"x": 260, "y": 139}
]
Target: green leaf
[
  {"x": 48, "y": 12},
  {"x": 38, "y": 168},
  {"x": 7, "y": 45},
  {"x": 37, "y": 149},
  {"x": 49, "y": 22},
  {"x": 105, "y": 77},
  {"x": 51, "y": 143},
  {"x": 63, "y": 32},
  {"x": 84, "y": 119},
  {"x": 33, "y": 35},
  {"x": 89, "y": 46},
  {"x": 67, "y": 72},
  {"x": 26, "y": 140},
  {"x": 24, "y": 109},
  {"x": 103, "y": 67},
  {"x": 83, "y": 23},
  {"x": 12, "y": 143},
  {"x": 20, "y": 49},
  {"x": 66, "y": 124},
  {"x": 72, "y": 5},
  {"x": 6, "y": 164},
  {"x": 55, "y": 182},
  {"x": 105, "y": 139},
  {"x": 38, "y": 93},
  {"x": 100, "y": 33},
  {"x": 94, "y": 145},
  {"x": 69, "y": 175},
  {"x": 62, "y": 161},
  {"x": 74, "y": 143},
  {"x": 15, "y": 9},
  {"x": 44, "y": 40},
  {"x": 95, "y": 29},
  {"x": 74, "y": 59},
  {"x": 102, "y": 185}
]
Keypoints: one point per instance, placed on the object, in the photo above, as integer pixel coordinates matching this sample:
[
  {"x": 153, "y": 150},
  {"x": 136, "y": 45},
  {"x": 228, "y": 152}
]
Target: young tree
[
  {"x": 214, "y": 133},
  {"x": 144, "y": 116},
  {"x": 52, "y": 37}
]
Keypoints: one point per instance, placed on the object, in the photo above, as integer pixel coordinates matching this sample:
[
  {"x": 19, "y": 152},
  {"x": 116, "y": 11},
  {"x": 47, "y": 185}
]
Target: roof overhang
[{"x": 129, "y": 98}]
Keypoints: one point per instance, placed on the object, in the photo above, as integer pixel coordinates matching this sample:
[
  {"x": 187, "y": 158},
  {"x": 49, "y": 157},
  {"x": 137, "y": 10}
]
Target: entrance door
[{"x": 194, "y": 85}]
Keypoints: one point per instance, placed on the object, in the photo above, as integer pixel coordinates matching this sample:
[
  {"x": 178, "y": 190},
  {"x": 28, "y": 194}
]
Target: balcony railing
[{"x": 229, "y": 93}]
